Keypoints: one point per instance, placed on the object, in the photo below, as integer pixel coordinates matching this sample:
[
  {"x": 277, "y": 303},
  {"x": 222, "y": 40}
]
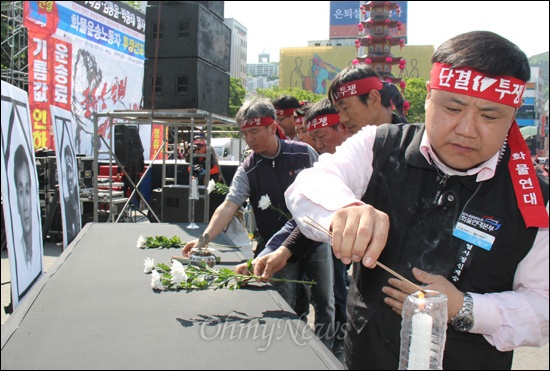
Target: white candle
[
  {"x": 194, "y": 192},
  {"x": 421, "y": 342}
]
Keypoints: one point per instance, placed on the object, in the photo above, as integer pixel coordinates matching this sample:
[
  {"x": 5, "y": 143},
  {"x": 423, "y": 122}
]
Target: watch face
[{"x": 463, "y": 322}]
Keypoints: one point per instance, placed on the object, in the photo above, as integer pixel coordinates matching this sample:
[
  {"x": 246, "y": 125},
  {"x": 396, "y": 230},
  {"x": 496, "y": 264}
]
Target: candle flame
[{"x": 421, "y": 296}]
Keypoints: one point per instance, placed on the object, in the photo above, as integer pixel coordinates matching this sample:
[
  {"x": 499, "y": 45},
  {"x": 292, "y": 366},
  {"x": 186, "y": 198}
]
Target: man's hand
[
  {"x": 186, "y": 250},
  {"x": 399, "y": 290},
  {"x": 359, "y": 233},
  {"x": 242, "y": 268},
  {"x": 267, "y": 265}
]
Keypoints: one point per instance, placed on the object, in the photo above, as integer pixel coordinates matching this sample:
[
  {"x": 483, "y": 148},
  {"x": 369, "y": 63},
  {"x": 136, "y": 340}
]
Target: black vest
[
  {"x": 424, "y": 207},
  {"x": 272, "y": 177}
]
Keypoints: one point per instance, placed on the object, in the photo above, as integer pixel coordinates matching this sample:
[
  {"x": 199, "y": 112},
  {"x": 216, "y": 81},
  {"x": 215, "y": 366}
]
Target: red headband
[
  {"x": 258, "y": 121},
  {"x": 501, "y": 89},
  {"x": 285, "y": 112},
  {"x": 323, "y": 121},
  {"x": 358, "y": 87},
  {"x": 504, "y": 90},
  {"x": 298, "y": 120}
]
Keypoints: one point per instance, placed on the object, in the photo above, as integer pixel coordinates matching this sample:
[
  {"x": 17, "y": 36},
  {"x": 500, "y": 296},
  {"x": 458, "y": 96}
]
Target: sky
[{"x": 272, "y": 25}]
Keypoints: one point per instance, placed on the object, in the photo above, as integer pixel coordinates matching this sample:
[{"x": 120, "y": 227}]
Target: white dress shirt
[{"x": 507, "y": 320}]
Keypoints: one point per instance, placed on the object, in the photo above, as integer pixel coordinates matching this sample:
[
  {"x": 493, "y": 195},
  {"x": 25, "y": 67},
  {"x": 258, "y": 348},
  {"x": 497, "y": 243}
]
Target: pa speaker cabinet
[
  {"x": 175, "y": 204},
  {"x": 187, "y": 83},
  {"x": 85, "y": 171},
  {"x": 187, "y": 30},
  {"x": 216, "y": 7}
]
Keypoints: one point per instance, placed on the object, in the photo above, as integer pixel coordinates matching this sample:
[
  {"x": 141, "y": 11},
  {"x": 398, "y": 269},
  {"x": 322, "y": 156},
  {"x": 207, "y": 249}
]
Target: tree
[
  {"x": 415, "y": 94},
  {"x": 300, "y": 94},
  {"x": 237, "y": 94}
]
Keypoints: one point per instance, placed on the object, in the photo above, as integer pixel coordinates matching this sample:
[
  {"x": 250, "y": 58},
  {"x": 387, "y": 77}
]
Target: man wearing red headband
[
  {"x": 267, "y": 172},
  {"x": 454, "y": 205},
  {"x": 285, "y": 105},
  {"x": 199, "y": 165},
  {"x": 301, "y": 129},
  {"x": 361, "y": 98},
  {"x": 323, "y": 122}
]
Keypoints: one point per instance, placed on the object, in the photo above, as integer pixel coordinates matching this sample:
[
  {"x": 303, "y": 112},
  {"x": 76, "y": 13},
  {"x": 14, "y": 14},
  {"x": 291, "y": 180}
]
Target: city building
[
  {"x": 260, "y": 82},
  {"x": 263, "y": 69},
  {"x": 238, "y": 68},
  {"x": 262, "y": 75},
  {"x": 531, "y": 115}
]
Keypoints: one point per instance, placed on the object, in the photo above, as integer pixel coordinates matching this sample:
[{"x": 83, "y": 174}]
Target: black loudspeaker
[
  {"x": 85, "y": 171},
  {"x": 188, "y": 30},
  {"x": 216, "y": 7},
  {"x": 128, "y": 146},
  {"x": 171, "y": 205},
  {"x": 186, "y": 83}
]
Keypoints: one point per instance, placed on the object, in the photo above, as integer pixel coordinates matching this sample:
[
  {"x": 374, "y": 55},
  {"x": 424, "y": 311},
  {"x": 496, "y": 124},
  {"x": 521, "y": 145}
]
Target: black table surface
[{"x": 95, "y": 309}]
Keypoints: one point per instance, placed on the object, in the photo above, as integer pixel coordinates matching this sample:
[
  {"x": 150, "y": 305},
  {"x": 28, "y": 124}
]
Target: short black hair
[{"x": 286, "y": 101}]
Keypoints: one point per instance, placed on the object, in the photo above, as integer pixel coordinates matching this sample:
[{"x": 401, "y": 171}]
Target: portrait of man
[
  {"x": 22, "y": 178},
  {"x": 67, "y": 173},
  {"x": 20, "y": 198}
]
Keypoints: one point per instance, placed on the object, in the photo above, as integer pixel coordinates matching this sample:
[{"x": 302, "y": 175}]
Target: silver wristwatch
[{"x": 463, "y": 321}]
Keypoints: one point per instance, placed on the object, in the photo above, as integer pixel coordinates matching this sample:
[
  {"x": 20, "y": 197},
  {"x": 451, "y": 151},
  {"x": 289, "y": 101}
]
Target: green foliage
[
  {"x": 300, "y": 94},
  {"x": 237, "y": 94},
  {"x": 203, "y": 277},
  {"x": 159, "y": 242},
  {"x": 415, "y": 94},
  {"x": 133, "y": 4}
]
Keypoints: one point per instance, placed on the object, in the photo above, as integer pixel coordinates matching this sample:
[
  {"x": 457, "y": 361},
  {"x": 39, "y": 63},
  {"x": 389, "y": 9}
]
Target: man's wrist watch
[{"x": 463, "y": 321}]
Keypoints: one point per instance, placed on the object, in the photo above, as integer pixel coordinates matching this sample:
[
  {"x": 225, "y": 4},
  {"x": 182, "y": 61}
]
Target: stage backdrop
[
  {"x": 20, "y": 200},
  {"x": 67, "y": 173},
  {"x": 84, "y": 57}
]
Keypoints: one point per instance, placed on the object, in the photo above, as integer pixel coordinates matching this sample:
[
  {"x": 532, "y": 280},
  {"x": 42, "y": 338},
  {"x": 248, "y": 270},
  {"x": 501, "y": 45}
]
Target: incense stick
[{"x": 315, "y": 224}]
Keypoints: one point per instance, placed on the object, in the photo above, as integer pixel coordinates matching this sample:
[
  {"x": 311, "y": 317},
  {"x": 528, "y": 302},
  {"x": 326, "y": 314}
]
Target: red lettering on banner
[
  {"x": 61, "y": 61},
  {"x": 156, "y": 132}
]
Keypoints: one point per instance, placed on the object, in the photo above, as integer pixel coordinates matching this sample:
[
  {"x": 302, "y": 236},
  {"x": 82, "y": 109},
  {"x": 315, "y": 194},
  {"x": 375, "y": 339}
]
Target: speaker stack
[{"x": 191, "y": 55}]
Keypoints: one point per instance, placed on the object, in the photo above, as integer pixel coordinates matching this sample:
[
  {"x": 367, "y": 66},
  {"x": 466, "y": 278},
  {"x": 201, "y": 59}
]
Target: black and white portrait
[
  {"x": 67, "y": 173},
  {"x": 20, "y": 193}
]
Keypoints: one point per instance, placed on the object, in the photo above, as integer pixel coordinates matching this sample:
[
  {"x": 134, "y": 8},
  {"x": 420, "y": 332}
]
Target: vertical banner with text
[{"x": 84, "y": 57}]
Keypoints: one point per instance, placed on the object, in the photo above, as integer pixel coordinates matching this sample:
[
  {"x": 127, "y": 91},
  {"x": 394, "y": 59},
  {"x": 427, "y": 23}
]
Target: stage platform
[{"x": 95, "y": 309}]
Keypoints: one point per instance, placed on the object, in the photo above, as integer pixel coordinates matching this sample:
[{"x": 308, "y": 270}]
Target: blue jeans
[{"x": 315, "y": 265}]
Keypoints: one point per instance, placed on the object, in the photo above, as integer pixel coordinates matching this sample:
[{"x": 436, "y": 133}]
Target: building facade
[
  {"x": 532, "y": 112},
  {"x": 238, "y": 68}
]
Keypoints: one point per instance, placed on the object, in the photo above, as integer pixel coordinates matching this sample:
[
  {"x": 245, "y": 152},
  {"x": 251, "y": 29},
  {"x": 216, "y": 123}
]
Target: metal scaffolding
[
  {"x": 15, "y": 65},
  {"x": 177, "y": 118}
]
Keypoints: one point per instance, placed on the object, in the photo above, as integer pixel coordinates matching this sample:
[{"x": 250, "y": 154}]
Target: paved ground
[{"x": 525, "y": 358}]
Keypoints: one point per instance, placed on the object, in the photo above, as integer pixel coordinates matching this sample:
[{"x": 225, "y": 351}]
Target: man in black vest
[
  {"x": 454, "y": 205},
  {"x": 262, "y": 179}
]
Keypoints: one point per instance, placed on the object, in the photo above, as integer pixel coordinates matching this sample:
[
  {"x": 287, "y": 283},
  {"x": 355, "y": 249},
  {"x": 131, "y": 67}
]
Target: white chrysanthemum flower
[
  {"x": 211, "y": 186},
  {"x": 156, "y": 283},
  {"x": 149, "y": 265},
  {"x": 265, "y": 202},
  {"x": 141, "y": 242},
  {"x": 177, "y": 272}
]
